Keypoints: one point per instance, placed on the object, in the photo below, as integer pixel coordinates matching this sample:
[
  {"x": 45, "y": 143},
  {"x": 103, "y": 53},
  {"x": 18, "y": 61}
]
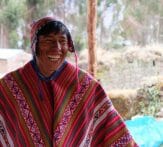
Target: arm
[
  {"x": 5, "y": 138},
  {"x": 109, "y": 128}
]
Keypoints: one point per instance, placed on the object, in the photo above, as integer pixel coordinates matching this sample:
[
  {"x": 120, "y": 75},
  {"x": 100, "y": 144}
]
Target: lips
[{"x": 53, "y": 57}]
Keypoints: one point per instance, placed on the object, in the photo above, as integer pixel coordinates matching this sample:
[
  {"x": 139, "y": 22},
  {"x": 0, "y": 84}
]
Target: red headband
[{"x": 35, "y": 27}]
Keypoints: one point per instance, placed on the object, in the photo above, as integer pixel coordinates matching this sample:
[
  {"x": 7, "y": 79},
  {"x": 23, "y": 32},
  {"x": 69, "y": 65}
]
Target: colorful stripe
[
  {"x": 70, "y": 109},
  {"x": 25, "y": 110},
  {"x": 63, "y": 117},
  {"x": 4, "y": 135}
]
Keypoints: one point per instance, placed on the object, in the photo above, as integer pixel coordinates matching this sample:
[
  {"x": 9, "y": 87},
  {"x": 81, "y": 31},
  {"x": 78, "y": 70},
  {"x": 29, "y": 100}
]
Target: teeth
[{"x": 53, "y": 57}]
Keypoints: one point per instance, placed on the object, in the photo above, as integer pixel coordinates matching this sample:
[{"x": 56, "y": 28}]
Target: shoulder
[
  {"x": 8, "y": 74},
  {"x": 81, "y": 72},
  {"x": 26, "y": 66}
]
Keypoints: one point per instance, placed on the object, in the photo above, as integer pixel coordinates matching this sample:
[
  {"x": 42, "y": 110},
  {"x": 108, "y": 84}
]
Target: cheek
[
  {"x": 64, "y": 49},
  {"x": 41, "y": 52},
  {"x": 64, "y": 52}
]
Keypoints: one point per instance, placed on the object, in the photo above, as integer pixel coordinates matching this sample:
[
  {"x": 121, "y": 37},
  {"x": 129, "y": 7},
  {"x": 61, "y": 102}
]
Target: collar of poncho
[{"x": 53, "y": 76}]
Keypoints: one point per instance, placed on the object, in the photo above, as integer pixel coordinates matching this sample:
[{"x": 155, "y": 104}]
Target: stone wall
[
  {"x": 147, "y": 100},
  {"x": 126, "y": 68}
]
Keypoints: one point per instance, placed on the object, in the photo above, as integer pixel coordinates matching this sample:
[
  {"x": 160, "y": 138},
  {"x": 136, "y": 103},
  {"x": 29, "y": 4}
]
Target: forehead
[
  {"x": 53, "y": 36},
  {"x": 54, "y": 26}
]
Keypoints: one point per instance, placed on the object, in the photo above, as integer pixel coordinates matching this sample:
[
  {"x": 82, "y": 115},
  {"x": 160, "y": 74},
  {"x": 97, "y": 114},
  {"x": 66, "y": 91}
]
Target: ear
[
  {"x": 71, "y": 49},
  {"x": 71, "y": 46}
]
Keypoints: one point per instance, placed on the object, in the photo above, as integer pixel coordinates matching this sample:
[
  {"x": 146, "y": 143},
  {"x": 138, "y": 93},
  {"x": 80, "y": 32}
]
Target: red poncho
[{"x": 63, "y": 117}]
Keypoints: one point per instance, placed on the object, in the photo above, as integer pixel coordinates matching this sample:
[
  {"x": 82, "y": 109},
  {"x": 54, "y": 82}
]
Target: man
[{"x": 49, "y": 102}]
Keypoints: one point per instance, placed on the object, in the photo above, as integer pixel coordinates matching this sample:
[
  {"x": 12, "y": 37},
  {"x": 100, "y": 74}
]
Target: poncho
[{"x": 64, "y": 116}]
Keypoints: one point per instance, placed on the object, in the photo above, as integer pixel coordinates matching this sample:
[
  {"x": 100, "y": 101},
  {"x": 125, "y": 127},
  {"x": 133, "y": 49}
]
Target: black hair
[
  {"x": 56, "y": 27},
  {"x": 53, "y": 26}
]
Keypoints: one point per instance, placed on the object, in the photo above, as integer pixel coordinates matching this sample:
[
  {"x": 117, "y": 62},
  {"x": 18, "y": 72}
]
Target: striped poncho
[{"x": 61, "y": 116}]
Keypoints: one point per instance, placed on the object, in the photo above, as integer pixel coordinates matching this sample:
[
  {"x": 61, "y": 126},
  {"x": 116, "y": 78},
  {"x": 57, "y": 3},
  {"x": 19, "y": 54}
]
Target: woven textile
[{"x": 64, "y": 117}]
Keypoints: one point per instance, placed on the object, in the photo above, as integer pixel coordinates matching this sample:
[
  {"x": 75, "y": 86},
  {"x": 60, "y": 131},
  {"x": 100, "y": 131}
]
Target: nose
[{"x": 56, "y": 45}]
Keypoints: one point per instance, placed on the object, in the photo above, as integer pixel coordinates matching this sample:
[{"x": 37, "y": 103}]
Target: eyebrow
[
  {"x": 63, "y": 37},
  {"x": 51, "y": 35},
  {"x": 49, "y": 38}
]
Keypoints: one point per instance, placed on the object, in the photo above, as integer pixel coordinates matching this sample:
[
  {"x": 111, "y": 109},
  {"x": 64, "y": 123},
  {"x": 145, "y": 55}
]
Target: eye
[
  {"x": 48, "y": 41},
  {"x": 63, "y": 41}
]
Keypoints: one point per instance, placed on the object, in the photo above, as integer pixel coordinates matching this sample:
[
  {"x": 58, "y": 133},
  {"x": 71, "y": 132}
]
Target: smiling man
[
  {"x": 51, "y": 103},
  {"x": 52, "y": 47}
]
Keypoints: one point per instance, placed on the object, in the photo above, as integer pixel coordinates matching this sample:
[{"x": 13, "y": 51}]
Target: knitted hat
[{"x": 37, "y": 25}]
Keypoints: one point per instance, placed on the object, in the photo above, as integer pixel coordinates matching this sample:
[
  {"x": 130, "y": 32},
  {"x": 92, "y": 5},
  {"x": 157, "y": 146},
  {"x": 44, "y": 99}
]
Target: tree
[
  {"x": 35, "y": 9},
  {"x": 141, "y": 20},
  {"x": 91, "y": 28},
  {"x": 139, "y": 23},
  {"x": 10, "y": 14}
]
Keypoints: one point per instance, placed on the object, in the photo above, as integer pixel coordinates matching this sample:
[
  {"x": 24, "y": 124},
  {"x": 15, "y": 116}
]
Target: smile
[{"x": 54, "y": 57}]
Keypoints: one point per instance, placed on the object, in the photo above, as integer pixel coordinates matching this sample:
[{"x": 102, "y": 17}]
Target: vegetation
[
  {"x": 120, "y": 22},
  {"x": 152, "y": 101}
]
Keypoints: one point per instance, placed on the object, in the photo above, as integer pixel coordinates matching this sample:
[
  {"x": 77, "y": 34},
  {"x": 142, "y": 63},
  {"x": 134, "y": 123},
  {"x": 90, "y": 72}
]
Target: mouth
[{"x": 54, "y": 57}]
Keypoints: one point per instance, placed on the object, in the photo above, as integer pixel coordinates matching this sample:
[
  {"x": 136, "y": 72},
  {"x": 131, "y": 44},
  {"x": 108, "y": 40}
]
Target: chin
[{"x": 53, "y": 68}]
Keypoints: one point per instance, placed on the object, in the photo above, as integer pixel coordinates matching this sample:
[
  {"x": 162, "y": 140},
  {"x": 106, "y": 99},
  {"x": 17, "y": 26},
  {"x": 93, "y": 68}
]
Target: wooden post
[
  {"x": 91, "y": 31},
  {"x": 1, "y": 36}
]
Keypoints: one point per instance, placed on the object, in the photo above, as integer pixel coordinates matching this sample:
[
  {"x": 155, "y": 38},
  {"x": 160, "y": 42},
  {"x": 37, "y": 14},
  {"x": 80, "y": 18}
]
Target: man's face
[{"x": 52, "y": 52}]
